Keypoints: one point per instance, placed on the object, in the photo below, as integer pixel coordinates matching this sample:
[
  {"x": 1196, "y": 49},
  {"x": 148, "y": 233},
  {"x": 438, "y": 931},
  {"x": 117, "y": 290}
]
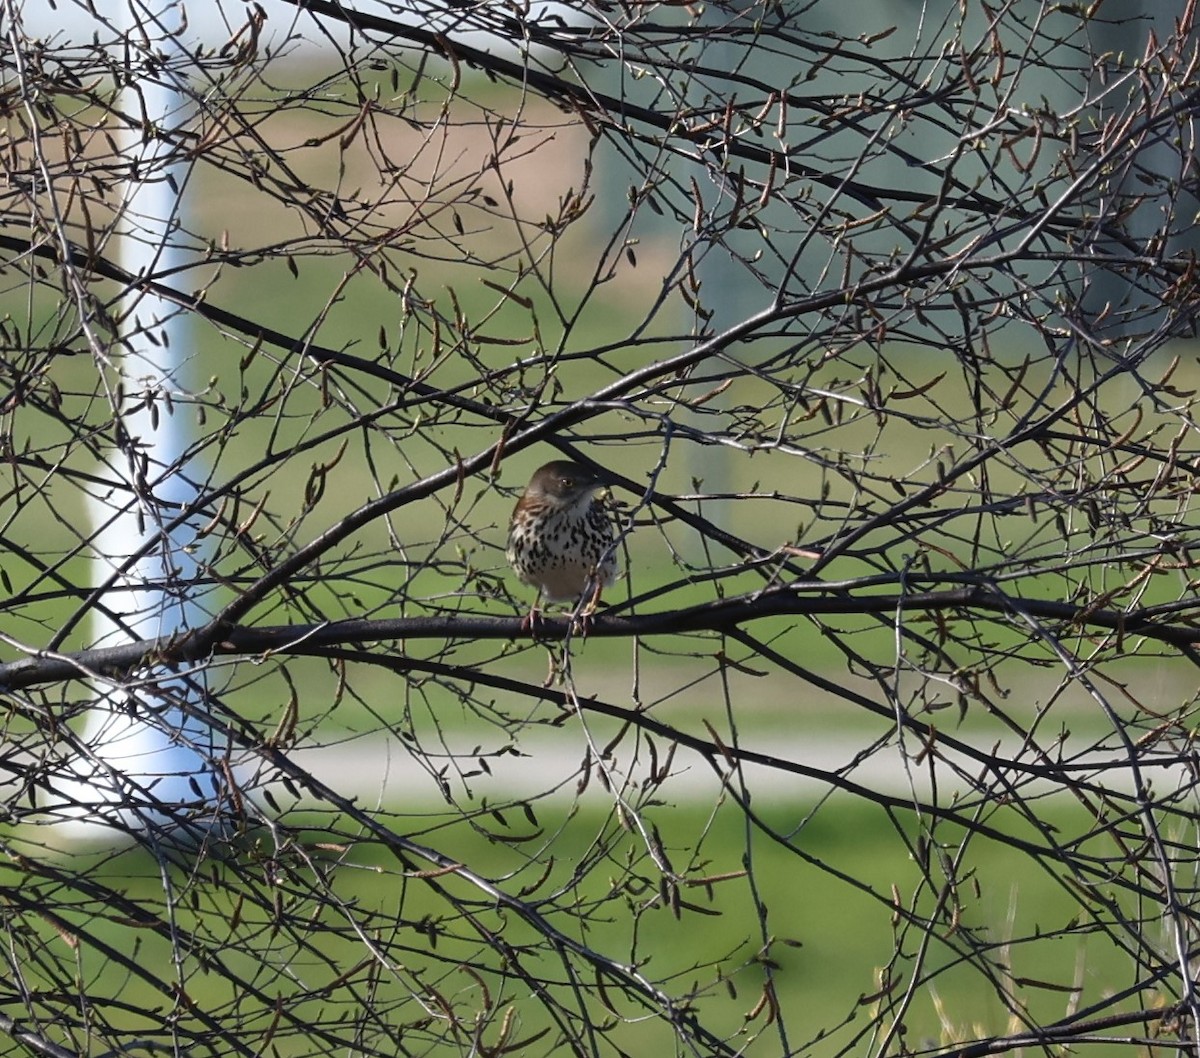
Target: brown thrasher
[{"x": 560, "y": 537}]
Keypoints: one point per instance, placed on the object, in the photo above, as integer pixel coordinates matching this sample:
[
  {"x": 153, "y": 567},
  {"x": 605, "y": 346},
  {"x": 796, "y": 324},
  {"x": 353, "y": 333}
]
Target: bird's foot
[
  {"x": 581, "y": 624},
  {"x": 581, "y": 620},
  {"x": 529, "y": 623}
]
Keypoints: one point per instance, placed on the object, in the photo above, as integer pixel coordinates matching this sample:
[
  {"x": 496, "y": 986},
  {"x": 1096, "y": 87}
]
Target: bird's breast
[{"x": 560, "y": 551}]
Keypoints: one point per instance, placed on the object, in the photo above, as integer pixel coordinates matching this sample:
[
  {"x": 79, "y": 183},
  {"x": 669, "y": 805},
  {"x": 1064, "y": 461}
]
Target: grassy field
[{"x": 827, "y": 942}]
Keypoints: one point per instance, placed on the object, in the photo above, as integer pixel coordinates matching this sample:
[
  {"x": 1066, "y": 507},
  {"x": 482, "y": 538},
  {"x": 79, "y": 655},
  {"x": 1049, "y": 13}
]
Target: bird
[{"x": 560, "y": 538}]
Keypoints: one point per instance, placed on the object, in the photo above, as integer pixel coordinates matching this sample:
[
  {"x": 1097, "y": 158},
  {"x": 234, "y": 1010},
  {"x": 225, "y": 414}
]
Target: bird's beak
[{"x": 601, "y": 484}]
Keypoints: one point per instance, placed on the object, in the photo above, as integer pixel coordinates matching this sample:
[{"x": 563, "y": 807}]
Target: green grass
[{"x": 826, "y": 940}]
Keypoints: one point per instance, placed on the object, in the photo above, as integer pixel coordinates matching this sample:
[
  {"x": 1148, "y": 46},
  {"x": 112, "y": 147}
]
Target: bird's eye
[{"x": 566, "y": 483}]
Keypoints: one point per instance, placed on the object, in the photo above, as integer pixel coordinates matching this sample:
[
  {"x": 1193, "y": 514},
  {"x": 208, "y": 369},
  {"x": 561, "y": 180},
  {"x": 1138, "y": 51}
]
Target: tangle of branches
[{"x": 880, "y": 319}]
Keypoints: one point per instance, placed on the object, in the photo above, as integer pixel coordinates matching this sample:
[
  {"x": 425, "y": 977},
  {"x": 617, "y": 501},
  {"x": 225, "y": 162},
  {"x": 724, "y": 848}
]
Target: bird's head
[{"x": 563, "y": 484}]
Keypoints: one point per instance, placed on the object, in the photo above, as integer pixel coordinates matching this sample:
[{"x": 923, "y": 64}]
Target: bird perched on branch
[{"x": 560, "y": 537}]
